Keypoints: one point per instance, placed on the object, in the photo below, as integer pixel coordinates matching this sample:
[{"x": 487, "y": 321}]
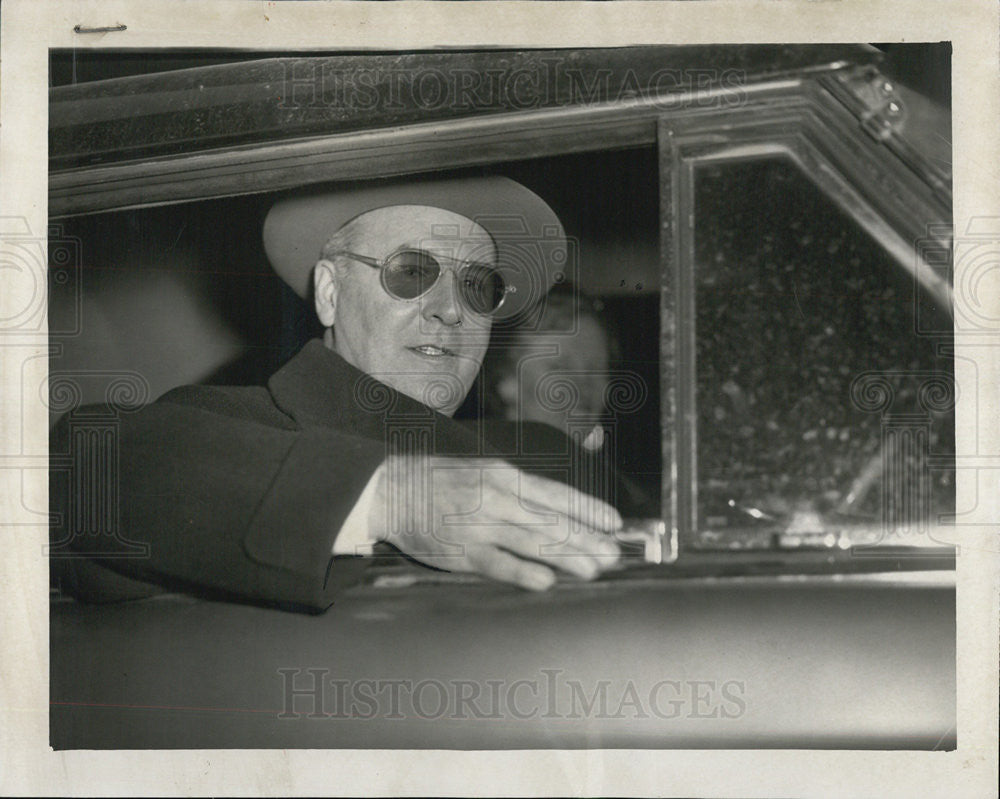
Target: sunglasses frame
[{"x": 375, "y": 263}]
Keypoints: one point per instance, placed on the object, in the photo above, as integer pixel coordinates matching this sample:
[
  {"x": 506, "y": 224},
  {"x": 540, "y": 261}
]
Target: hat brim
[{"x": 531, "y": 245}]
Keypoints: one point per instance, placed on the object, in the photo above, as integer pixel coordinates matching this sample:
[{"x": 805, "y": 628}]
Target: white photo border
[{"x": 28, "y": 766}]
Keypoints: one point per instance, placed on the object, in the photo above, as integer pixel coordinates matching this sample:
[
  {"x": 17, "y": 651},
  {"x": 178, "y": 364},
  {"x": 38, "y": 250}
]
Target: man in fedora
[{"x": 277, "y": 494}]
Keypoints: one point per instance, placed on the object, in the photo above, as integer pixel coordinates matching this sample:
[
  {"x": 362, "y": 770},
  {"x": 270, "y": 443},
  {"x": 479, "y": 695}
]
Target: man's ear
[{"x": 325, "y": 288}]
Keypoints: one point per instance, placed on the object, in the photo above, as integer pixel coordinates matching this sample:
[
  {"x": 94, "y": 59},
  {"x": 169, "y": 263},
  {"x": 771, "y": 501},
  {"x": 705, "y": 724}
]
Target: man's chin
[{"x": 440, "y": 390}]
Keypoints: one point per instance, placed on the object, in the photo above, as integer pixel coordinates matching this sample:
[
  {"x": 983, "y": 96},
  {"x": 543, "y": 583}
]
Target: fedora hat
[{"x": 531, "y": 246}]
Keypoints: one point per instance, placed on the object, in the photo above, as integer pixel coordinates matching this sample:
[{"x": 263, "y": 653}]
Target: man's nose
[{"x": 442, "y": 302}]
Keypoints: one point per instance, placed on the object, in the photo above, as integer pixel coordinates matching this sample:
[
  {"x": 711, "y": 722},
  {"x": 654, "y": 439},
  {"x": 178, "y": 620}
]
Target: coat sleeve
[{"x": 180, "y": 495}]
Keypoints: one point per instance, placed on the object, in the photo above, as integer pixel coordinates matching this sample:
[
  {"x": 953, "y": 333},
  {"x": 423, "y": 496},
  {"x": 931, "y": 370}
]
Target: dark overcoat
[{"x": 238, "y": 492}]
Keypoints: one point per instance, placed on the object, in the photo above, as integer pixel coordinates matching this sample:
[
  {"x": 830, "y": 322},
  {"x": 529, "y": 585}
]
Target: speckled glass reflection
[{"x": 820, "y": 409}]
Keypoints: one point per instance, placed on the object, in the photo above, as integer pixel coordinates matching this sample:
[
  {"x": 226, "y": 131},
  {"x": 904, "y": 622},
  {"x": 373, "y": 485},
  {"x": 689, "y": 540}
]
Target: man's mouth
[{"x": 431, "y": 351}]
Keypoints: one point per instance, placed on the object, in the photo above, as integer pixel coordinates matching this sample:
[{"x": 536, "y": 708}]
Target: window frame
[{"x": 822, "y": 136}]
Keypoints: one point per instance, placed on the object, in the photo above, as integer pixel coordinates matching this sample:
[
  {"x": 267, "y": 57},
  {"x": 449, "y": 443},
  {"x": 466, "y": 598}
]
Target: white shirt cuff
[{"x": 354, "y": 537}]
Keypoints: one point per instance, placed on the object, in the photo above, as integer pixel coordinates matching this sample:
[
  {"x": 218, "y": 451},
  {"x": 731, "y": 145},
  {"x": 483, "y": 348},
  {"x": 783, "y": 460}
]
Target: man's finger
[
  {"x": 553, "y": 495},
  {"x": 585, "y": 562},
  {"x": 603, "y": 549},
  {"x": 583, "y": 554},
  {"x": 546, "y": 540},
  {"x": 539, "y": 494},
  {"x": 507, "y": 568}
]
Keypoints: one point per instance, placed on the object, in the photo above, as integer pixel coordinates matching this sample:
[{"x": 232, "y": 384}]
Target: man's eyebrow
[{"x": 448, "y": 253}]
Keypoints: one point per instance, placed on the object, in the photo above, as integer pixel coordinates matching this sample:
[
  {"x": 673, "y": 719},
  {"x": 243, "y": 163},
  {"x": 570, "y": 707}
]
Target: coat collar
[{"x": 318, "y": 388}]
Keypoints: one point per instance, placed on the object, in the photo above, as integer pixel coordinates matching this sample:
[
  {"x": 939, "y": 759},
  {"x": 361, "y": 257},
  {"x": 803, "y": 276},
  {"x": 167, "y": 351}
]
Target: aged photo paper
[{"x": 490, "y": 105}]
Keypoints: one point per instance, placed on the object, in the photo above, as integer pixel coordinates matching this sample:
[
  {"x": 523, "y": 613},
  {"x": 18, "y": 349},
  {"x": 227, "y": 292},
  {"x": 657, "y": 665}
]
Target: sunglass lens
[
  {"x": 410, "y": 273},
  {"x": 483, "y": 288}
]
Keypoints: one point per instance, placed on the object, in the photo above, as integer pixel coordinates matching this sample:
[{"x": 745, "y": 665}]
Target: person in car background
[{"x": 560, "y": 369}]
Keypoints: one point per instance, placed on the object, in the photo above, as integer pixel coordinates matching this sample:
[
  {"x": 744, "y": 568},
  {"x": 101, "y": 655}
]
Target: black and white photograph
[{"x": 483, "y": 398}]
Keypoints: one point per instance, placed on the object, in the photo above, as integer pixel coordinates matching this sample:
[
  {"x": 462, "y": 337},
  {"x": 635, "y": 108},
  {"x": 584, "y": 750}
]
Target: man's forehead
[{"x": 384, "y": 230}]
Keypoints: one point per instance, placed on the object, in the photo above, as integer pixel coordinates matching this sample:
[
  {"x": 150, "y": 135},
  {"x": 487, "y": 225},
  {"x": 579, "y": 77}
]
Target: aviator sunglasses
[{"x": 410, "y": 273}]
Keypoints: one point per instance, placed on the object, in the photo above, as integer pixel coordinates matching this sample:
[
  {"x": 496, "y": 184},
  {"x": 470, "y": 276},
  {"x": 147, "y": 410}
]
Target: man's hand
[{"x": 485, "y": 516}]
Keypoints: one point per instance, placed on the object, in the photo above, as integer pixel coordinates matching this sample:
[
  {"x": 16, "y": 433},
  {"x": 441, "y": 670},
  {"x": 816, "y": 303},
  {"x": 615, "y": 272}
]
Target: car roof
[{"x": 226, "y": 104}]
